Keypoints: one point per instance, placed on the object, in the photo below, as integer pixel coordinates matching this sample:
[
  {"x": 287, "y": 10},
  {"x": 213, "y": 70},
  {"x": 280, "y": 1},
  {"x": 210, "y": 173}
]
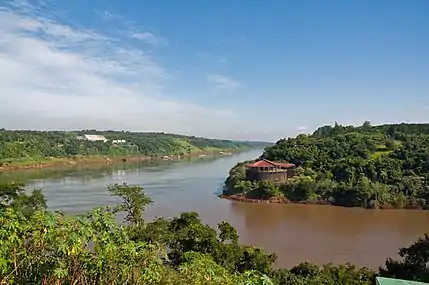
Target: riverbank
[
  {"x": 53, "y": 162},
  {"x": 274, "y": 200},
  {"x": 409, "y": 205}
]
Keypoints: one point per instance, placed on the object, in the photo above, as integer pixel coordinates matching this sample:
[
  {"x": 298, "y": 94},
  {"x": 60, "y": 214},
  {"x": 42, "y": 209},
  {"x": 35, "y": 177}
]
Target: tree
[
  {"x": 227, "y": 233},
  {"x": 134, "y": 202},
  {"x": 414, "y": 264},
  {"x": 13, "y": 195},
  {"x": 366, "y": 126}
]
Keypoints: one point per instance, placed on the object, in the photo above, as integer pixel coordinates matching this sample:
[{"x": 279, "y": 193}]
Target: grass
[
  {"x": 185, "y": 145},
  {"x": 378, "y": 153},
  {"x": 382, "y": 150},
  {"x": 212, "y": 149},
  {"x": 29, "y": 160}
]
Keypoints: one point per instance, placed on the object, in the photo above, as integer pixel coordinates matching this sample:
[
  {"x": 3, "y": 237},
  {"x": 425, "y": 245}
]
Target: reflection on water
[
  {"x": 294, "y": 232},
  {"x": 89, "y": 171},
  {"x": 82, "y": 187}
]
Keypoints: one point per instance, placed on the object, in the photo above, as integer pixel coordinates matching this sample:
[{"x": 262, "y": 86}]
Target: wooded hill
[
  {"x": 38, "y": 145},
  {"x": 365, "y": 166}
]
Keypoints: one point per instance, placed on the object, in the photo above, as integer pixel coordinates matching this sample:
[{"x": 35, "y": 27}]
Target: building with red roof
[{"x": 265, "y": 169}]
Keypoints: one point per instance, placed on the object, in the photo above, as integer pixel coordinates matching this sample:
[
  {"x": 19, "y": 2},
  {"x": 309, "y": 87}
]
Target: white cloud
[
  {"x": 59, "y": 76},
  {"x": 302, "y": 128},
  {"x": 107, "y": 15},
  {"x": 148, "y": 38},
  {"x": 223, "y": 82},
  {"x": 130, "y": 29}
]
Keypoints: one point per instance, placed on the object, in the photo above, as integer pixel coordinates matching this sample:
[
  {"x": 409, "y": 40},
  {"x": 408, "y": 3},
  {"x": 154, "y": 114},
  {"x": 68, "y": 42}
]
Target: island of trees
[
  {"x": 385, "y": 166},
  {"x": 39, "y": 246},
  {"x": 54, "y": 147}
]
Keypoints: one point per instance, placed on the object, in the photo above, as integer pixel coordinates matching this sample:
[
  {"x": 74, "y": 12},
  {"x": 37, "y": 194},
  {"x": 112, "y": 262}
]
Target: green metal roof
[{"x": 390, "y": 281}]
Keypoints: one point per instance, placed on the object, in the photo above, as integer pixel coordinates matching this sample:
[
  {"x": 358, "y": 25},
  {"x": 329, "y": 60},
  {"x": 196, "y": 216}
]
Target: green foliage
[
  {"x": 366, "y": 166},
  {"x": 329, "y": 274},
  {"x": 263, "y": 190},
  {"x": 414, "y": 264},
  {"x": 12, "y": 195},
  {"x": 134, "y": 201},
  {"x": 236, "y": 175},
  {"x": 42, "y": 247},
  {"x": 33, "y": 146},
  {"x": 50, "y": 248},
  {"x": 187, "y": 233}
]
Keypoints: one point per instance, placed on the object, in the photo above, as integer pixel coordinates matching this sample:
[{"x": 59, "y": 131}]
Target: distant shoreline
[{"x": 93, "y": 159}]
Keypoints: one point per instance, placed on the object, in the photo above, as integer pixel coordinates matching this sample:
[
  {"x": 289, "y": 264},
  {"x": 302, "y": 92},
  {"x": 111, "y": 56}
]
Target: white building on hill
[{"x": 94, "y": 138}]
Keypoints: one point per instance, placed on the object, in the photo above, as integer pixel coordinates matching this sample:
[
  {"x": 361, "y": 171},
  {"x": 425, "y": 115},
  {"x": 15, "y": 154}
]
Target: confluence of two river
[{"x": 295, "y": 233}]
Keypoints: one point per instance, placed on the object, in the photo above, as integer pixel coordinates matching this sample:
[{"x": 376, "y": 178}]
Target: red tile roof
[
  {"x": 287, "y": 165},
  {"x": 262, "y": 163},
  {"x": 268, "y": 163}
]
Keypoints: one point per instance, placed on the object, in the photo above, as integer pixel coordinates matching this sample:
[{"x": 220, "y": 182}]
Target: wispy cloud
[
  {"x": 302, "y": 128},
  {"x": 148, "y": 38},
  {"x": 55, "y": 75},
  {"x": 223, "y": 82},
  {"x": 128, "y": 28},
  {"x": 107, "y": 15}
]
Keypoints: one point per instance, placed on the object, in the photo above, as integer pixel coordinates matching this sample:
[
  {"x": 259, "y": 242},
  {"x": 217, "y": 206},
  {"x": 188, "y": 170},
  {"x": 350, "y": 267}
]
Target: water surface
[{"x": 294, "y": 232}]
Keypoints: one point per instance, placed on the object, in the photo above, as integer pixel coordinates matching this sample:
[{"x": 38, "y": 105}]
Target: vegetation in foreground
[
  {"x": 42, "y": 247},
  {"x": 29, "y": 147},
  {"x": 384, "y": 166}
]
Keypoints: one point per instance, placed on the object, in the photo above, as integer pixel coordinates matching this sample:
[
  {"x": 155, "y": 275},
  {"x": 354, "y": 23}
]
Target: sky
[{"x": 246, "y": 70}]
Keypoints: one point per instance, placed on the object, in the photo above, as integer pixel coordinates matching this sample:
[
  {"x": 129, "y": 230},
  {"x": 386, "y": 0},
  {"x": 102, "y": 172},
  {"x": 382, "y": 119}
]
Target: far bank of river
[
  {"x": 294, "y": 232},
  {"x": 97, "y": 160}
]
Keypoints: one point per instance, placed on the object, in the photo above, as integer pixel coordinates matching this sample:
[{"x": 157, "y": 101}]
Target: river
[{"x": 295, "y": 233}]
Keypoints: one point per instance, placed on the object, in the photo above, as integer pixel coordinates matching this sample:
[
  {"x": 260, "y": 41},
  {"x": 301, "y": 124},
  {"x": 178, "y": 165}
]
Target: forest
[
  {"x": 36, "y": 146},
  {"x": 39, "y": 246},
  {"x": 385, "y": 166}
]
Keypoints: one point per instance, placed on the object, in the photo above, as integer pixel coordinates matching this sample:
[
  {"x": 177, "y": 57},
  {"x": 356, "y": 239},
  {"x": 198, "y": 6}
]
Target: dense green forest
[
  {"x": 42, "y": 247},
  {"x": 33, "y": 146},
  {"x": 366, "y": 166}
]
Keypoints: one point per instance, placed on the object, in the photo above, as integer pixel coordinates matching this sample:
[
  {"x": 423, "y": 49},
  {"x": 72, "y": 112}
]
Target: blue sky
[{"x": 228, "y": 69}]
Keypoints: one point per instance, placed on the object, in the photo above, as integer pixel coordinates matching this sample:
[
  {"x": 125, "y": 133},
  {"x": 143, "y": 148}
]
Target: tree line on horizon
[{"x": 26, "y": 145}]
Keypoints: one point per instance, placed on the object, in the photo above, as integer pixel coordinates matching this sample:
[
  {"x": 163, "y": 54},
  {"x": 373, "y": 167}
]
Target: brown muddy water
[{"x": 295, "y": 233}]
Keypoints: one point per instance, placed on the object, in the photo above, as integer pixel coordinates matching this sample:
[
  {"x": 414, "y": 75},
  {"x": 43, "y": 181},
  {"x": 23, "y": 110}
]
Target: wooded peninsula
[
  {"x": 384, "y": 166},
  {"x": 42, "y": 148}
]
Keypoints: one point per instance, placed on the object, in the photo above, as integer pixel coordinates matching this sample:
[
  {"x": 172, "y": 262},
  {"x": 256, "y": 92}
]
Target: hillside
[
  {"x": 33, "y": 146},
  {"x": 366, "y": 166}
]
